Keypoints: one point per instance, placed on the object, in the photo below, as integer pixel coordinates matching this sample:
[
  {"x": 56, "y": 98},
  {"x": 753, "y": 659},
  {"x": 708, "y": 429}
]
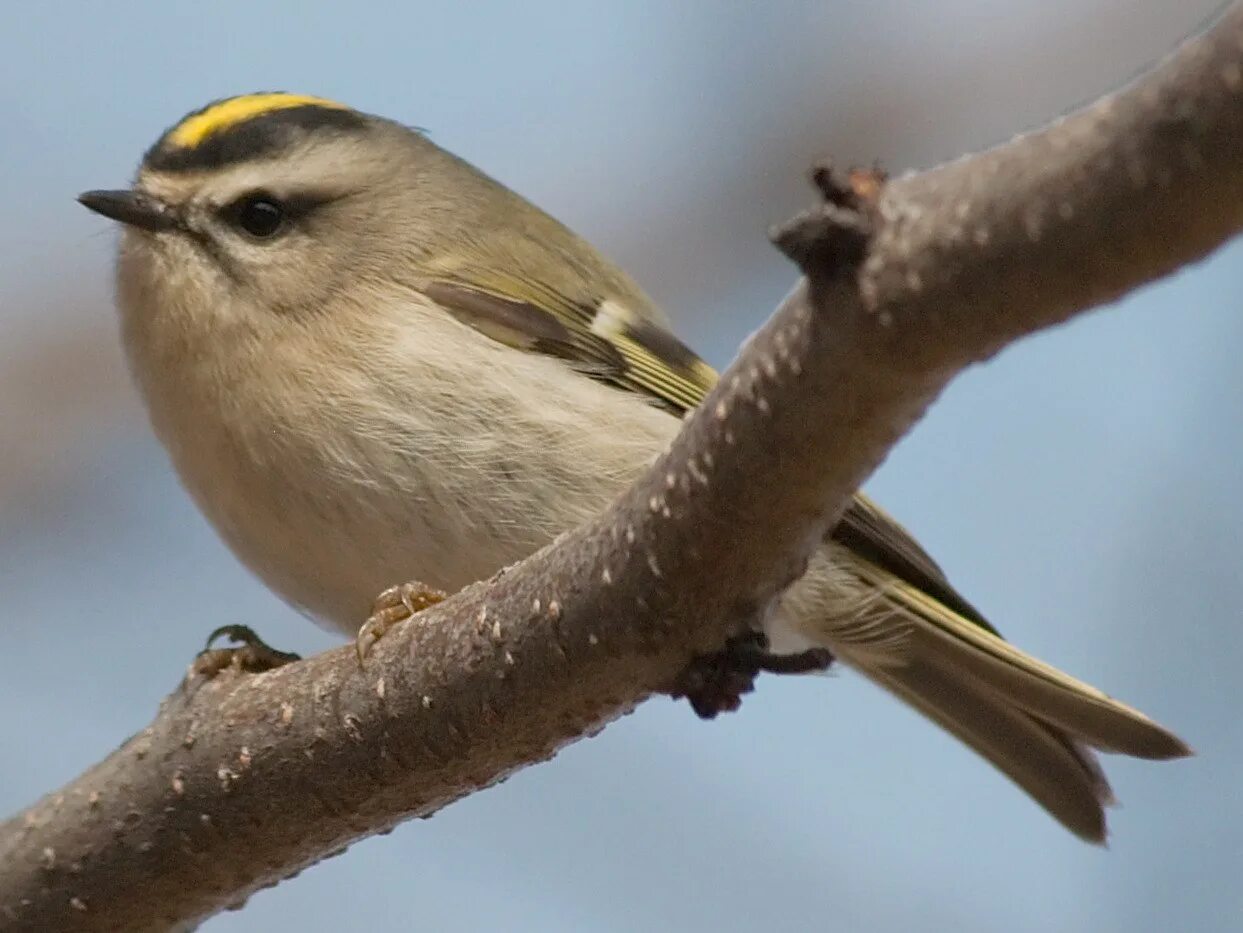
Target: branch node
[{"x": 830, "y": 239}]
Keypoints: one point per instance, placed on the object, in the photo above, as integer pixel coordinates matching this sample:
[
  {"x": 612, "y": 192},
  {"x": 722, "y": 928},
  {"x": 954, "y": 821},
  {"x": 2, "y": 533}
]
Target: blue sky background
[{"x": 1083, "y": 488}]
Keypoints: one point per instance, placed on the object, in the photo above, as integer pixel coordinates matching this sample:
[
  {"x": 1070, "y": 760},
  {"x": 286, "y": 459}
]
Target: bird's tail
[{"x": 1034, "y": 723}]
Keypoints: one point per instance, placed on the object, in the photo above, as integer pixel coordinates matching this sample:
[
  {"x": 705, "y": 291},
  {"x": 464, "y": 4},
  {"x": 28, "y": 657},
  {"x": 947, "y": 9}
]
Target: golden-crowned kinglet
[{"x": 370, "y": 363}]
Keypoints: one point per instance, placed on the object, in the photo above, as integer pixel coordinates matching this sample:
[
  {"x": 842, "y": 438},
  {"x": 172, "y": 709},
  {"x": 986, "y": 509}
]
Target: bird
[{"x": 370, "y": 362}]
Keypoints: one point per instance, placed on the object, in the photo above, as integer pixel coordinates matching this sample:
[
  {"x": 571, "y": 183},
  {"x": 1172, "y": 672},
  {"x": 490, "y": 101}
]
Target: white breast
[{"x": 336, "y": 464}]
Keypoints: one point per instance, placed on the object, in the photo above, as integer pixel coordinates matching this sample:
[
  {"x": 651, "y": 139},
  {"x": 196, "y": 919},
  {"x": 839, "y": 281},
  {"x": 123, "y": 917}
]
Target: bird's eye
[{"x": 260, "y": 215}]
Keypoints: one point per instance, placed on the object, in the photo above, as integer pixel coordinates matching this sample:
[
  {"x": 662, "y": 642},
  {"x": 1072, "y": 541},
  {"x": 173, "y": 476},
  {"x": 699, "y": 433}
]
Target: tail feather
[
  {"x": 1088, "y": 714},
  {"x": 1037, "y": 725},
  {"x": 1055, "y": 772}
]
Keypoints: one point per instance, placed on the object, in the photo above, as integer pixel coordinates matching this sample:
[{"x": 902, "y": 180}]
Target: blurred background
[{"x": 1082, "y": 489}]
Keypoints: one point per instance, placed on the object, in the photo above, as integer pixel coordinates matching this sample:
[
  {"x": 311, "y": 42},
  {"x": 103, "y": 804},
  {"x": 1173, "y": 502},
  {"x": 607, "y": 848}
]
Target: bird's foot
[
  {"x": 715, "y": 683},
  {"x": 393, "y": 606},
  {"x": 251, "y": 655}
]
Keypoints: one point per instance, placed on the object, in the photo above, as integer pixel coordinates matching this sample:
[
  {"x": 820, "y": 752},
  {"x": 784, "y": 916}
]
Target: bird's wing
[
  {"x": 604, "y": 338},
  {"x": 622, "y": 341}
]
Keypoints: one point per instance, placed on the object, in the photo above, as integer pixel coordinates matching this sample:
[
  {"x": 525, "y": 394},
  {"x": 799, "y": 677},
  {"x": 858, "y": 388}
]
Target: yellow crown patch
[{"x": 197, "y": 127}]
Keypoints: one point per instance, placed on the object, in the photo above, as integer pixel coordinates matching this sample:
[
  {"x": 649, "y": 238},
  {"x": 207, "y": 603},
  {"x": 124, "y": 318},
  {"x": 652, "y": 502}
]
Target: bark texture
[{"x": 246, "y": 779}]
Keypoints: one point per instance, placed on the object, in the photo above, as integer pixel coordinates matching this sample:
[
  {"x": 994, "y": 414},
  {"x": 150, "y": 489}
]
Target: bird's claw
[
  {"x": 251, "y": 655},
  {"x": 715, "y": 683},
  {"x": 393, "y": 606}
]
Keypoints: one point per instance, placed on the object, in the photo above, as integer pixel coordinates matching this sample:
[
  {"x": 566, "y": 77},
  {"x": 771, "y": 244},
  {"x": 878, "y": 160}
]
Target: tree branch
[{"x": 248, "y": 778}]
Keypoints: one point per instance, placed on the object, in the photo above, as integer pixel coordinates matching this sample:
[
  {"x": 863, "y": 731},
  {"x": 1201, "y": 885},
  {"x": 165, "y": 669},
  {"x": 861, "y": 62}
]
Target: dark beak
[{"x": 130, "y": 207}]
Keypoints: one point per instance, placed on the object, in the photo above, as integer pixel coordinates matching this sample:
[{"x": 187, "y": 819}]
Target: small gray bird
[{"x": 369, "y": 363}]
